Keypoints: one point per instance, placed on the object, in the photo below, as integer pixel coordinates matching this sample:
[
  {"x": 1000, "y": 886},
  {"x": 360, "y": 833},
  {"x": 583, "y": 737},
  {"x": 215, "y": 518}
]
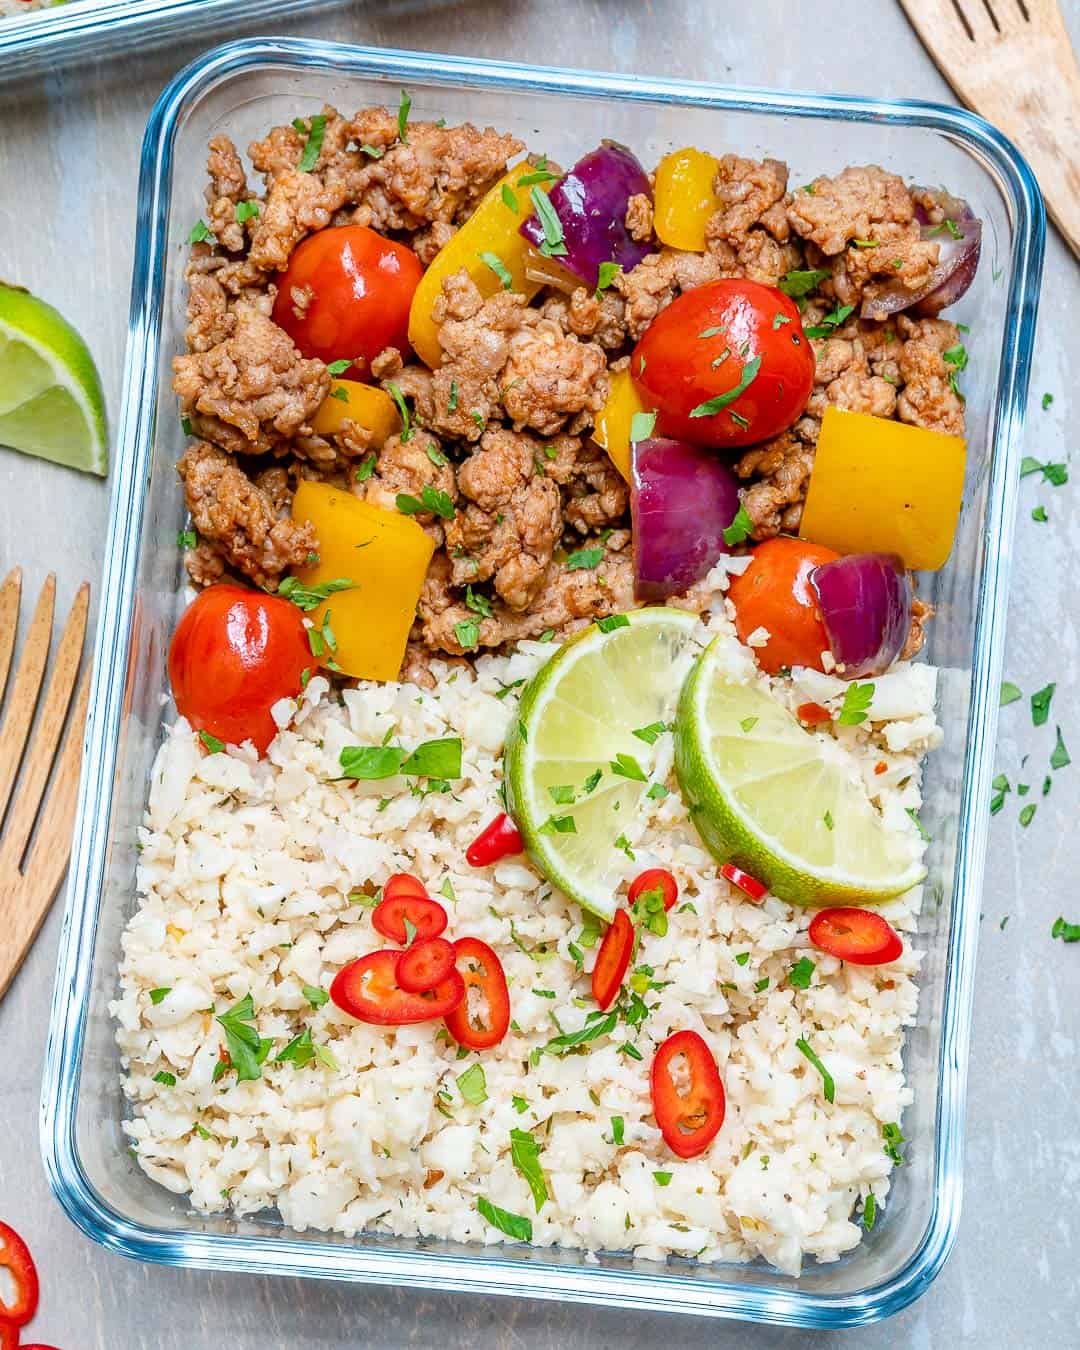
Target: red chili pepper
[
  {"x": 881, "y": 766},
  {"x": 498, "y": 840},
  {"x": 855, "y": 935},
  {"x": 368, "y": 990},
  {"x": 425, "y": 964},
  {"x": 812, "y": 714},
  {"x": 481, "y": 969},
  {"x": 427, "y": 916},
  {"x": 613, "y": 959},
  {"x": 403, "y": 883},
  {"x": 746, "y": 883},
  {"x": 689, "y": 1120},
  {"x": 654, "y": 879},
  {"x": 15, "y": 1255},
  {"x": 9, "y": 1336}
]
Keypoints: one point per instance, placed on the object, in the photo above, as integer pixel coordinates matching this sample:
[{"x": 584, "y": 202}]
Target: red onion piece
[
  {"x": 865, "y": 602},
  {"x": 682, "y": 498},
  {"x": 591, "y": 202},
  {"x": 958, "y": 261}
]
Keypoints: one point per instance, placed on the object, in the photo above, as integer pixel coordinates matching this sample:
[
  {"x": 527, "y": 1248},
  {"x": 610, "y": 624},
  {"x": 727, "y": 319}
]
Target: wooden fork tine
[
  {"x": 9, "y": 621},
  {"x": 25, "y": 690},
  {"x": 50, "y": 724},
  {"x": 23, "y": 906}
]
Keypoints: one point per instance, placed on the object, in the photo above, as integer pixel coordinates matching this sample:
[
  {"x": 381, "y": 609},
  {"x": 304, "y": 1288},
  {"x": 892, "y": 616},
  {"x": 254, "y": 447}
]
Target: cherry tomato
[
  {"x": 235, "y": 652},
  {"x": 345, "y": 295},
  {"x": 403, "y": 883},
  {"x": 813, "y": 714},
  {"x": 689, "y": 1118},
  {"x": 856, "y": 935},
  {"x": 482, "y": 970},
  {"x": 15, "y": 1256},
  {"x": 368, "y": 990},
  {"x": 613, "y": 959},
  {"x": 654, "y": 879},
  {"x": 425, "y": 964},
  {"x": 750, "y": 886},
  {"x": 775, "y": 593},
  {"x": 427, "y": 917},
  {"x": 500, "y": 839},
  {"x": 726, "y": 364}
]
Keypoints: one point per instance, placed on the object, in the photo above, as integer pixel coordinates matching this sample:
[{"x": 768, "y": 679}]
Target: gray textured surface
[{"x": 68, "y": 161}]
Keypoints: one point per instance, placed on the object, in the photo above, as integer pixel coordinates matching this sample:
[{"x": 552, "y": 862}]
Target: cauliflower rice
[{"x": 244, "y": 882}]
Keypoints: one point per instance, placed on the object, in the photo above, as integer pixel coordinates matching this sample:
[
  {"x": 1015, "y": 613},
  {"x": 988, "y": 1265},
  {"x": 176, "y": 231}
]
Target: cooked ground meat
[
  {"x": 782, "y": 468},
  {"x": 408, "y": 467},
  {"x": 929, "y": 397}
]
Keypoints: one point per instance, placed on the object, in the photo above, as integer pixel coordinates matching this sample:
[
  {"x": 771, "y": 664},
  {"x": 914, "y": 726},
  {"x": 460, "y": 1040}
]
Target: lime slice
[
  {"x": 51, "y": 404},
  {"x": 784, "y": 804},
  {"x": 579, "y": 814}
]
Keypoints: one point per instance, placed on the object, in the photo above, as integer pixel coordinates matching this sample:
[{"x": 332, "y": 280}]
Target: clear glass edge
[{"x": 70, "y": 1001}]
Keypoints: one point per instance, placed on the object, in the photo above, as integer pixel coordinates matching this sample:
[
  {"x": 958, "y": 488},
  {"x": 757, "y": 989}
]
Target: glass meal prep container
[{"x": 246, "y": 87}]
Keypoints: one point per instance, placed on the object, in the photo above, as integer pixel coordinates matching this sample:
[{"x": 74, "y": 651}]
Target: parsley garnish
[
  {"x": 479, "y": 604},
  {"x": 740, "y": 528},
  {"x": 642, "y": 425},
  {"x": 520, "y": 1105},
  {"x": 513, "y": 1225},
  {"x": 623, "y": 844},
  {"x": 628, "y": 767},
  {"x": 893, "y": 1139},
  {"x": 779, "y": 319},
  {"x": 430, "y": 499},
  {"x": 593, "y": 779},
  {"x": 439, "y": 759},
  {"x": 584, "y": 558},
  {"x": 1038, "y": 514},
  {"x": 748, "y": 724},
  {"x": 1027, "y": 814},
  {"x": 404, "y": 104},
  {"x": 314, "y": 130},
  {"x": 1055, "y": 474},
  {"x": 403, "y": 412},
  {"x": 509, "y": 200},
  {"x": 341, "y": 395},
  {"x": 562, "y": 794},
  {"x": 315, "y": 996},
  {"x": 618, "y": 1133},
  {"x": 797, "y": 284},
  {"x": 472, "y": 1084},
  {"x": 525, "y": 1155},
  {"x": 857, "y": 699},
  {"x": 721, "y": 401},
  {"x": 1067, "y": 932},
  {"x": 157, "y": 995},
  {"x": 869, "y": 1211},
  {"x": 373, "y": 151},
  {"x": 1047, "y": 399},
  {"x": 169, "y": 1079},
  {"x": 246, "y": 211},
  {"x": 657, "y": 792},
  {"x": 1060, "y": 756},
  {"x": 467, "y": 633},
  {"x": 554, "y": 244},
  {"x": 663, "y": 1178},
  {"x": 803, "y": 1045},
  {"x": 201, "y": 233},
  {"x": 299, "y": 1052},
  {"x": 1010, "y": 693},
  {"x": 741, "y": 958},
  {"x": 365, "y": 468},
  {"x": 246, "y": 1050},
  {"x": 212, "y": 743},
  {"x": 559, "y": 825},
  {"x": 451, "y": 402},
  {"x": 918, "y": 824},
  {"x": 1040, "y": 704},
  {"x": 308, "y": 598},
  {"x": 650, "y": 734},
  {"x": 830, "y": 322},
  {"x": 598, "y": 1026},
  {"x": 800, "y": 973},
  {"x": 186, "y": 539},
  {"x": 612, "y": 622},
  {"x": 500, "y": 269},
  {"x": 606, "y": 274}
]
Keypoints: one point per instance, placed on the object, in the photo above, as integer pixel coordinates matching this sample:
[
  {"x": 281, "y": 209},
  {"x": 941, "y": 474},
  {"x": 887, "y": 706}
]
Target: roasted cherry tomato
[
  {"x": 612, "y": 959},
  {"x": 427, "y": 917},
  {"x": 654, "y": 879},
  {"x": 750, "y": 886},
  {"x": 775, "y": 593},
  {"x": 368, "y": 990},
  {"x": 726, "y": 364},
  {"x": 856, "y": 935},
  {"x": 482, "y": 970},
  {"x": 235, "y": 652},
  {"x": 689, "y": 1116},
  {"x": 403, "y": 883},
  {"x": 500, "y": 839},
  {"x": 813, "y": 714},
  {"x": 345, "y": 295},
  {"x": 15, "y": 1256},
  {"x": 425, "y": 964}
]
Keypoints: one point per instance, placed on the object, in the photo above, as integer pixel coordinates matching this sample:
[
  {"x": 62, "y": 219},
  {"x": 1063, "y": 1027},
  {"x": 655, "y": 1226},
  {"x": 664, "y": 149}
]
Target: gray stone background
[{"x": 68, "y": 167}]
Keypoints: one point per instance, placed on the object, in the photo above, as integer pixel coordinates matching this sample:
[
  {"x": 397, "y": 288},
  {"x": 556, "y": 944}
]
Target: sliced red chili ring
[
  {"x": 499, "y": 839},
  {"x": 856, "y": 935},
  {"x": 368, "y": 990},
  {"x": 746, "y": 883},
  {"x": 427, "y": 917},
  {"x": 689, "y": 1118},
  {"x": 481, "y": 970},
  {"x": 812, "y": 714},
  {"x": 403, "y": 883},
  {"x": 613, "y": 959},
  {"x": 9, "y": 1336},
  {"x": 15, "y": 1255},
  {"x": 654, "y": 879},
  {"x": 425, "y": 964}
]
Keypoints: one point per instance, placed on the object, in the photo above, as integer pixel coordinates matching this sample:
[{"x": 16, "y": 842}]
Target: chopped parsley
[
  {"x": 1010, "y": 693},
  {"x": 308, "y": 598},
  {"x": 642, "y": 425},
  {"x": 593, "y": 779},
  {"x": 467, "y": 633},
  {"x": 246, "y": 211},
  {"x": 740, "y": 528},
  {"x": 606, "y": 274},
  {"x": 1038, "y": 514},
  {"x": 1060, "y": 756},
  {"x": 741, "y": 958},
  {"x": 513, "y": 1225},
  {"x": 869, "y": 1211},
  {"x": 923, "y": 835},
  {"x": 628, "y": 767},
  {"x": 748, "y": 724},
  {"x": 599, "y": 1026},
  {"x": 562, "y": 794},
  {"x": 365, "y": 468},
  {"x": 525, "y": 1155},
  {"x": 186, "y": 539},
  {"x": 315, "y": 996},
  {"x": 893, "y": 1139},
  {"x": 830, "y": 322},
  {"x": 158, "y": 995},
  {"x": 657, "y": 792},
  {"x": 612, "y": 622},
  {"x": 314, "y": 129},
  {"x": 1027, "y": 814},
  {"x": 857, "y": 700},
  {"x": 472, "y": 1084},
  {"x": 201, "y": 233},
  {"x": 509, "y": 200},
  {"x": 1047, "y": 399},
  {"x": 1040, "y": 704},
  {"x": 1067, "y": 932},
  {"x": 436, "y": 456},
  {"x": 650, "y": 734},
  {"x": 404, "y": 106},
  {"x": 520, "y": 1105},
  {"x": 373, "y": 151},
  {"x": 500, "y": 269},
  {"x": 403, "y": 412},
  {"x": 451, "y": 402},
  {"x": 800, "y": 973},
  {"x": 663, "y": 1178},
  {"x": 618, "y": 1130},
  {"x": 1055, "y": 474},
  {"x": 431, "y": 499},
  {"x": 559, "y": 825},
  {"x": 554, "y": 244},
  {"x": 829, "y": 1086},
  {"x": 479, "y": 604},
  {"x": 440, "y": 759},
  {"x": 246, "y": 1050},
  {"x": 798, "y": 284},
  {"x": 584, "y": 558},
  {"x": 623, "y": 844},
  {"x": 213, "y": 745},
  {"x": 714, "y": 405},
  {"x": 168, "y": 1079}
]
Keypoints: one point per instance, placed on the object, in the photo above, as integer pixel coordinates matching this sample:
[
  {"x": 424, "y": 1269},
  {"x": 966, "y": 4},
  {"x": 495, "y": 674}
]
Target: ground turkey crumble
[{"x": 502, "y": 426}]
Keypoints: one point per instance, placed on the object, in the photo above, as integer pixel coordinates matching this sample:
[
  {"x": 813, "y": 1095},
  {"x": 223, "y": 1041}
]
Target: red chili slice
[
  {"x": 498, "y": 840},
  {"x": 812, "y": 714},
  {"x": 427, "y": 916},
  {"x": 746, "y": 883},
  {"x": 689, "y": 1119},
  {"x": 403, "y": 883},
  {"x": 368, "y": 990},
  {"x": 15, "y": 1255},
  {"x": 613, "y": 959},
  {"x": 425, "y": 964},
  {"x": 856, "y": 935},
  {"x": 9, "y": 1336},
  {"x": 654, "y": 879},
  {"x": 482, "y": 970}
]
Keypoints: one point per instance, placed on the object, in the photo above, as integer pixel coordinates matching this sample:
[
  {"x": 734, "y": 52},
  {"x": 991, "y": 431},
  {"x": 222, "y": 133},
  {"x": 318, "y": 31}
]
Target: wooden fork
[
  {"x": 1012, "y": 61},
  {"x": 30, "y": 872}
]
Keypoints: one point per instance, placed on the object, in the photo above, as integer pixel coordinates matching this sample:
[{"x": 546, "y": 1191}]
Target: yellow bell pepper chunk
[
  {"x": 492, "y": 228},
  {"x": 385, "y": 555},
  {"x": 683, "y": 199},
  {"x": 880, "y": 486},
  {"x": 365, "y": 404},
  {"x": 615, "y": 419}
]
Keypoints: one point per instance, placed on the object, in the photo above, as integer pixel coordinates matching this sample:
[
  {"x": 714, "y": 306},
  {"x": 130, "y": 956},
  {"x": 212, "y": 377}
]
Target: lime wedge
[
  {"x": 51, "y": 404},
  {"x": 784, "y": 804},
  {"x": 576, "y": 774}
]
